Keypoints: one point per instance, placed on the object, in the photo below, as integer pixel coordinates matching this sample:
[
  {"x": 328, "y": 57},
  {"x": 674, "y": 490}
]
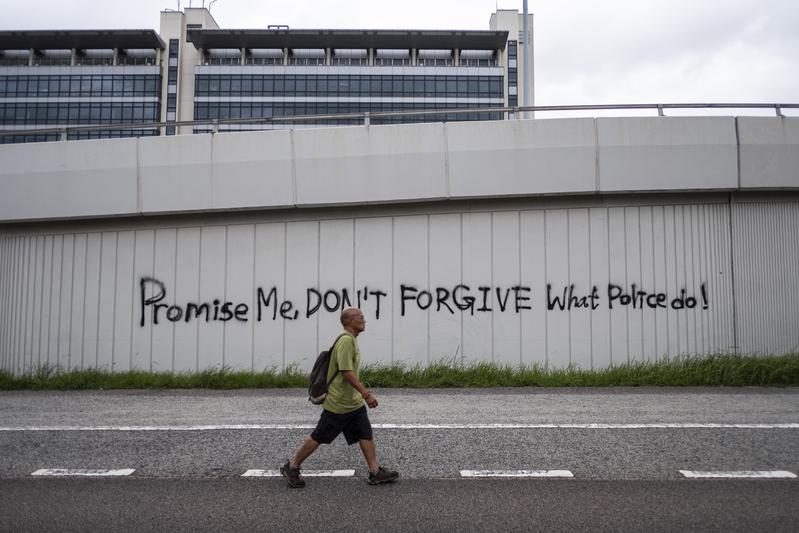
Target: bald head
[
  {"x": 348, "y": 315},
  {"x": 353, "y": 321}
]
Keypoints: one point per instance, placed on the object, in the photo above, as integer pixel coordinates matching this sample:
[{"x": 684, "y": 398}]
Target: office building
[{"x": 194, "y": 70}]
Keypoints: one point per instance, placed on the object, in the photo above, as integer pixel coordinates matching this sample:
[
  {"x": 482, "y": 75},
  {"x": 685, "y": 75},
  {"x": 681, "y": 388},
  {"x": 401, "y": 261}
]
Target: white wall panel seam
[
  {"x": 641, "y": 284},
  {"x": 253, "y": 297},
  {"x": 23, "y": 307},
  {"x": 23, "y": 301},
  {"x": 427, "y": 311},
  {"x": 546, "y": 278},
  {"x": 591, "y": 283},
  {"x": 685, "y": 249},
  {"x": 30, "y": 325},
  {"x": 491, "y": 266},
  {"x": 285, "y": 283},
  {"x": 44, "y": 356},
  {"x": 569, "y": 279},
  {"x": 199, "y": 292},
  {"x": 114, "y": 315},
  {"x": 626, "y": 281},
  {"x": 700, "y": 215},
  {"x": 152, "y": 273},
  {"x": 38, "y": 271},
  {"x": 30, "y": 272},
  {"x": 12, "y": 302},
  {"x": 99, "y": 296},
  {"x": 519, "y": 282},
  {"x": 696, "y": 287},
  {"x": 133, "y": 298},
  {"x": 175, "y": 285},
  {"x": 11, "y": 244},
  {"x": 5, "y": 256},
  {"x": 3, "y": 301},
  {"x": 15, "y": 312},
  {"x": 50, "y": 297},
  {"x": 731, "y": 256},
  {"x": 224, "y": 296},
  {"x": 463, "y": 338},
  {"x": 393, "y": 281}
]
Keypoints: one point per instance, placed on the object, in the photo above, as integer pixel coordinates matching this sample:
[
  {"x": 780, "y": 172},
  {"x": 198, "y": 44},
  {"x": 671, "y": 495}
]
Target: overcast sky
[{"x": 586, "y": 51}]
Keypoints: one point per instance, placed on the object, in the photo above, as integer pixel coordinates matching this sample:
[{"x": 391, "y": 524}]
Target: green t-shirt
[{"x": 341, "y": 396}]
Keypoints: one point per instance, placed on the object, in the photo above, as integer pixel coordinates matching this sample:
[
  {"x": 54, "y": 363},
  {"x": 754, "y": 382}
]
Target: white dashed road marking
[
  {"x": 305, "y": 473},
  {"x": 770, "y": 474},
  {"x": 82, "y": 472},
  {"x": 240, "y": 427},
  {"x": 517, "y": 473}
]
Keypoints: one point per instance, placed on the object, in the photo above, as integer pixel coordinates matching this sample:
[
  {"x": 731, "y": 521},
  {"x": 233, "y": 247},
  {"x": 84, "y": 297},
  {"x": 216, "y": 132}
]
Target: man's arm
[{"x": 349, "y": 375}]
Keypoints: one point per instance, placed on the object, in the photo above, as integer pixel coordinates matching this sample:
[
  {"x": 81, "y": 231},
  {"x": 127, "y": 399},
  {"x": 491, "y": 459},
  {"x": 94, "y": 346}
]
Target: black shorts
[{"x": 354, "y": 425}]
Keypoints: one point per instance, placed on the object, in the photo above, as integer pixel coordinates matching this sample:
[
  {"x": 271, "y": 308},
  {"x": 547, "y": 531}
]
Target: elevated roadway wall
[{"x": 588, "y": 242}]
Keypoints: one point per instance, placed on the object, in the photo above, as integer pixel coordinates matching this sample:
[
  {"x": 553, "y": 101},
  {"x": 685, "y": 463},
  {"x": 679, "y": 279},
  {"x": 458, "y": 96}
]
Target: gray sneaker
[
  {"x": 383, "y": 475},
  {"x": 292, "y": 476}
]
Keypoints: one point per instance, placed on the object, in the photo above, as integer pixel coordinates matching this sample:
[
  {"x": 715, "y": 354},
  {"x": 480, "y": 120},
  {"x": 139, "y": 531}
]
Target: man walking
[{"x": 344, "y": 409}]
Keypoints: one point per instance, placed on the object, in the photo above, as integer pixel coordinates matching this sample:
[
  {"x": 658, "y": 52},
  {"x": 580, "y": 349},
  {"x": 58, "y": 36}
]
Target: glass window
[
  {"x": 299, "y": 85},
  {"x": 138, "y": 85}
]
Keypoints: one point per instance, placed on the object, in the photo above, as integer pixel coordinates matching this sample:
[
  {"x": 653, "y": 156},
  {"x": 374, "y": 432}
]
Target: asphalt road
[{"x": 188, "y": 449}]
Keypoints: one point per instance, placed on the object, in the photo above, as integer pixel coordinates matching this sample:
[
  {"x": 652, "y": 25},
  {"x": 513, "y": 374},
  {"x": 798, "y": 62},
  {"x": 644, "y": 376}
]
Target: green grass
[{"x": 715, "y": 370}]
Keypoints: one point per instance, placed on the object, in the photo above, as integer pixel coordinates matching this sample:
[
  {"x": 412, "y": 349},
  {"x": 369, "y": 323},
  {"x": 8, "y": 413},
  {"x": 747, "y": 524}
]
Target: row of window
[
  {"x": 362, "y": 61},
  {"x": 46, "y": 137},
  {"x": 223, "y": 110},
  {"x": 66, "y": 113},
  {"x": 347, "y": 85},
  {"x": 441, "y": 117},
  {"x": 81, "y": 85}
]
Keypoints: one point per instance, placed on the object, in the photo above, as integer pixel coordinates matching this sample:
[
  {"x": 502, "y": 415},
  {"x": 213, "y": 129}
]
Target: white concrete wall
[
  {"x": 418, "y": 163},
  {"x": 73, "y": 297}
]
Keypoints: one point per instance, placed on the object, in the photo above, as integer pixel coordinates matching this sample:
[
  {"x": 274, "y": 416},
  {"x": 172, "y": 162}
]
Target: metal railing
[{"x": 365, "y": 118}]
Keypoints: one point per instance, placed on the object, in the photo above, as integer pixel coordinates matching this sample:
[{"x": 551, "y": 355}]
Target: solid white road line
[
  {"x": 239, "y": 427},
  {"x": 516, "y": 473},
  {"x": 82, "y": 472},
  {"x": 771, "y": 474},
  {"x": 305, "y": 473}
]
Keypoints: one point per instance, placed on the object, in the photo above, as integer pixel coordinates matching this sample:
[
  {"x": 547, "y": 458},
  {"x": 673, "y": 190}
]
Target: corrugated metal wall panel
[
  {"x": 766, "y": 275},
  {"x": 541, "y": 280}
]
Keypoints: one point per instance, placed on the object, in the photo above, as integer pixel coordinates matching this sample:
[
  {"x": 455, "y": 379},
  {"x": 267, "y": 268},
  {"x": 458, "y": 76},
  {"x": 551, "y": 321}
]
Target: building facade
[{"x": 194, "y": 70}]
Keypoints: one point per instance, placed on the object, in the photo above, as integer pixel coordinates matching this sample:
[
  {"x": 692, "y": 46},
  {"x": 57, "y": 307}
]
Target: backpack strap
[{"x": 331, "y": 355}]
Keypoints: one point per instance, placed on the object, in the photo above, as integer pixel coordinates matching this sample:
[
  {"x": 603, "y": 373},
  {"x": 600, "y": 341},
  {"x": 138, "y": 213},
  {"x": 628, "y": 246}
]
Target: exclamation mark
[{"x": 704, "y": 296}]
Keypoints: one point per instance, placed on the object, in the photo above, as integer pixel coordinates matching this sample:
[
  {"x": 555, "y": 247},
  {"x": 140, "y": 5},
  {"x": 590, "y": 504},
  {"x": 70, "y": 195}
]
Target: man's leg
[
  {"x": 369, "y": 453},
  {"x": 308, "y": 447},
  {"x": 291, "y": 470}
]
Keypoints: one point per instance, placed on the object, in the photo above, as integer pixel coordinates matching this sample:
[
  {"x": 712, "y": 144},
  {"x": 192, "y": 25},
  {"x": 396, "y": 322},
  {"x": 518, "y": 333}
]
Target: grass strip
[{"x": 714, "y": 370}]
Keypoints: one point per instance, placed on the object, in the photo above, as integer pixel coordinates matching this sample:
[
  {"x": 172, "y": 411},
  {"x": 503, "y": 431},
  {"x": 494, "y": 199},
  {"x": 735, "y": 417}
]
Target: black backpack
[{"x": 317, "y": 390}]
